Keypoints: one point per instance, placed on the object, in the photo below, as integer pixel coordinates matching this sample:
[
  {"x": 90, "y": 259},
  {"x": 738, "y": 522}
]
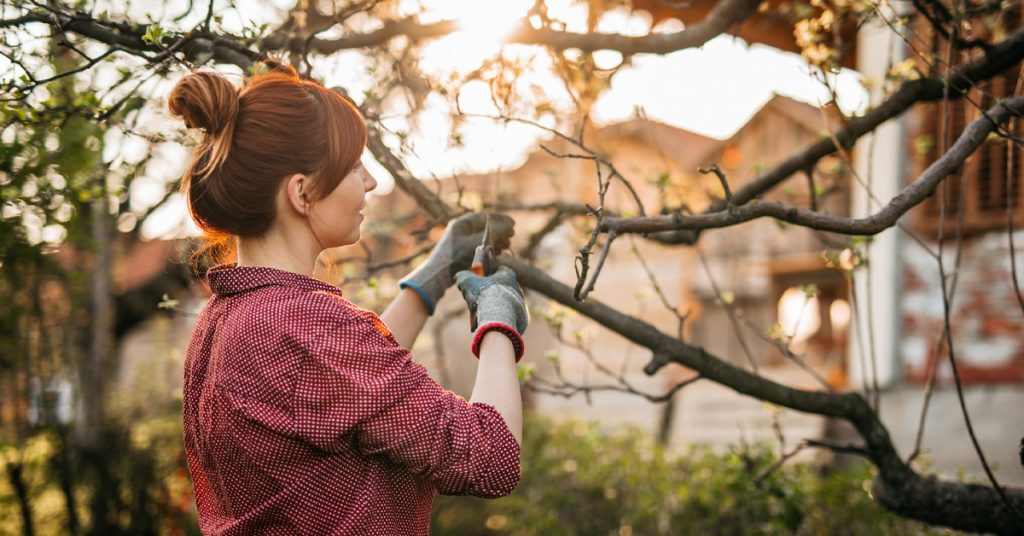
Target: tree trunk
[
  {"x": 14, "y": 475},
  {"x": 94, "y": 369},
  {"x": 63, "y": 463},
  {"x": 668, "y": 413},
  {"x": 951, "y": 504}
]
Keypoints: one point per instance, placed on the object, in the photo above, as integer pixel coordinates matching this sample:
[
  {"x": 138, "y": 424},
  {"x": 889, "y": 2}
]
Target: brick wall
[{"x": 987, "y": 321}]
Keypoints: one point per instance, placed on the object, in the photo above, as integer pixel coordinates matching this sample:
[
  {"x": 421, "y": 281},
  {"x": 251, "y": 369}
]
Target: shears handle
[
  {"x": 483, "y": 256},
  {"x": 483, "y": 260}
]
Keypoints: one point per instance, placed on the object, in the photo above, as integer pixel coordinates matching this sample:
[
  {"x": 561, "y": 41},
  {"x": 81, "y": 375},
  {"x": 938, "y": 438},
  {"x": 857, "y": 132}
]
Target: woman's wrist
[
  {"x": 489, "y": 330},
  {"x": 496, "y": 344}
]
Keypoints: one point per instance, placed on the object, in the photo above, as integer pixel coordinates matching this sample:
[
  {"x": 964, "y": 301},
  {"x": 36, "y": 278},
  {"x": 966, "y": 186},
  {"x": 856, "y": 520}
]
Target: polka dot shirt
[{"x": 303, "y": 415}]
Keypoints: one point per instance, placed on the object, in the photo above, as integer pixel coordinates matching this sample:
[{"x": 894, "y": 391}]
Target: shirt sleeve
[{"x": 359, "y": 389}]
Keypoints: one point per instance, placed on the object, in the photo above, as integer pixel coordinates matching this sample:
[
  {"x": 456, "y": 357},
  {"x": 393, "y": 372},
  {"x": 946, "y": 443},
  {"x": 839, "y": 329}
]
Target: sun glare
[{"x": 485, "y": 22}]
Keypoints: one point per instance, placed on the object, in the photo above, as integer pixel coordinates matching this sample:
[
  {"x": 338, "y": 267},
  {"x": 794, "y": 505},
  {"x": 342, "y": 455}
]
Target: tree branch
[
  {"x": 404, "y": 179},
  {"x": 409, "y": 27},
  {"x": 973, "y": 136},
  {"x": 725, "y": 14}
]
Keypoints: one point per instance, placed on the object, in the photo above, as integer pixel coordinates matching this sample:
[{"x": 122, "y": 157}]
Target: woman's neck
[{"x": 279, "y": 250}]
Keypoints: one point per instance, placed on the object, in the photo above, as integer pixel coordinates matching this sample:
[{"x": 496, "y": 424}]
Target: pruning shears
[{"x": 483, "y": 257}]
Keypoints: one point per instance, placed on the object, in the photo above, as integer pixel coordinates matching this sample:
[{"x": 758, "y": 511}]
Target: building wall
[
  {"x": 988, "y": 342},
  {"x": 986, "y": 317}
]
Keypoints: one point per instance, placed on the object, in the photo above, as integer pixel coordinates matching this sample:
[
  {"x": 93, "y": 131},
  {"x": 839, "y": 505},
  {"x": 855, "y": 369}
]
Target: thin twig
[
  {"x": 600, "y": 264},
  {"x": 727, "y": 304},
  {"x": 721, "y": 179},
  {"x": 680, "y": 317}
]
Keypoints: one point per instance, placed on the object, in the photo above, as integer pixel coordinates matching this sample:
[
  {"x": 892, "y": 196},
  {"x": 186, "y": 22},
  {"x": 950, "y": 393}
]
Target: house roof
[
  {"x": 806, "y": 115},
  {"x": 686, "y": 148}
]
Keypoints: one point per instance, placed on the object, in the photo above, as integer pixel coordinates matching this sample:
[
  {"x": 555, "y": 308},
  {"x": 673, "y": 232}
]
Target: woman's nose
[{"x": 369, "y": 183}]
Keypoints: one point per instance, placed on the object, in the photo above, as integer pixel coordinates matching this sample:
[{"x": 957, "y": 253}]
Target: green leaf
[
  {"x": 154, "y": 35},
  {"x": 525, "y": 371}
]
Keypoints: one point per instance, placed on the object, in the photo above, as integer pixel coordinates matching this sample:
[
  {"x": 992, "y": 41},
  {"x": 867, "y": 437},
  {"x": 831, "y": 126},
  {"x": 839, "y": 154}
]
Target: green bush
[
  {"x": 145, "y": 487},
  {"x": 579, "y": 480}
]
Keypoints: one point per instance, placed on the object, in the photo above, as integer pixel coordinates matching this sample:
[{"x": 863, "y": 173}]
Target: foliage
[
  {"x": 153, "y": 493},
  {"x": 578, "y": 479}
]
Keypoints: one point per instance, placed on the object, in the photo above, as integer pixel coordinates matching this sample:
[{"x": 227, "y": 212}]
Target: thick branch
[
  {"x": 962, "y": 506},
  {"x": 973, "y": 136},
  {"x": 404, "y": 179},
  {"x": 726, "y": 13},
  {"x": 1002, "y": 56},
  {"x": 408, "y": 27},
  {"x": 128, "y": 37}
]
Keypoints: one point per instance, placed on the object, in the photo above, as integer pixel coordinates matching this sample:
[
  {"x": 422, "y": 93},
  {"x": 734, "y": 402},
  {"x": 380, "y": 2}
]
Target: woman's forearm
[
  {"x": 405, "y": 316},
  {"x": 497, "y": 383}
]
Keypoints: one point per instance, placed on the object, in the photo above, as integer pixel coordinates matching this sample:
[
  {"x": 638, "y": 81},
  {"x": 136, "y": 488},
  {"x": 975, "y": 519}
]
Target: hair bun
[{"x": 204, "y": 100}]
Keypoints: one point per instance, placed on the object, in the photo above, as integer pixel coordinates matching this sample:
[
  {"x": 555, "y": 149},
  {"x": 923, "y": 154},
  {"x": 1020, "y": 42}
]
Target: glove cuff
[
  {"x": 518, "y": 346},
  {"x": 423, "y": 295}
]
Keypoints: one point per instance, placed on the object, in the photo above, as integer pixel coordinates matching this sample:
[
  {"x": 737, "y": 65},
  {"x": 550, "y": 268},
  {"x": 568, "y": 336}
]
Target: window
[
  {"x": 812, "y": 309},
  {"x": 981, "y": 186}
]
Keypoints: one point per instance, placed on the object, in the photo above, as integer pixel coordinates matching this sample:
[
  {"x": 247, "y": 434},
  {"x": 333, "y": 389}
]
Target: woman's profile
[{"x": 303, "y": 413}]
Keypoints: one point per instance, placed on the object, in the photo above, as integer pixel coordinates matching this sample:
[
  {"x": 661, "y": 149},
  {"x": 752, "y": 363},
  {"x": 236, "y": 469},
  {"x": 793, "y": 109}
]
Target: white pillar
[{"x": 878, "y": 161}]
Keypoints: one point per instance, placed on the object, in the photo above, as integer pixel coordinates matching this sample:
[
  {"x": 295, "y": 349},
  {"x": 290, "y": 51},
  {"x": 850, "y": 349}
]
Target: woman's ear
[{"x": 296, "y": 191}]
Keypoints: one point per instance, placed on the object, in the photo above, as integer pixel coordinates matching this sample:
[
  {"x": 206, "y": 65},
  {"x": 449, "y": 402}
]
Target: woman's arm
[
  {"x": 497, "y": 383},
  {"x": 499, "y": 317},
  {"x": 405, "y": 316},
  {"x": 359, "y": 392}
]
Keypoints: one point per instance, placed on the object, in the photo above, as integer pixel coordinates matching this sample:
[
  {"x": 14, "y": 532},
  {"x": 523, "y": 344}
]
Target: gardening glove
[
  {"x": 454, "y": 252},
  {"x": 495, "y": 303}
]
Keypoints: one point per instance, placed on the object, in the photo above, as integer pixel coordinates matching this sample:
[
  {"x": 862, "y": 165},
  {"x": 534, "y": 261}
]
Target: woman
[{"x": 303, "y": 413}]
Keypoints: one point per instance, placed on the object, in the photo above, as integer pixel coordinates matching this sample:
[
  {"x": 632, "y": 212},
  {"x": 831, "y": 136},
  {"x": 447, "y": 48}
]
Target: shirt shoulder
[
  {"x": 306, "y": 316},
  {"x": 321, "y": 324}
]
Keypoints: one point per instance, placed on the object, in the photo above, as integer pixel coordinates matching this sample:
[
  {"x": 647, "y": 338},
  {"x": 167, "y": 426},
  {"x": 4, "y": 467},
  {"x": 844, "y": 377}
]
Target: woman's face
[{"x": 335, "y": 218}]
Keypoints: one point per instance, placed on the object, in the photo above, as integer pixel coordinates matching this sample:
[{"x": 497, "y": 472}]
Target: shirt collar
[{"x": 228, "y": 279}]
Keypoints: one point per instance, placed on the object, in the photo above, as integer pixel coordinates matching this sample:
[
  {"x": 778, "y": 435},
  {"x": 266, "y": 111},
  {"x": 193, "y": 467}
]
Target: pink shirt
[{"x": 303, "y": 415}]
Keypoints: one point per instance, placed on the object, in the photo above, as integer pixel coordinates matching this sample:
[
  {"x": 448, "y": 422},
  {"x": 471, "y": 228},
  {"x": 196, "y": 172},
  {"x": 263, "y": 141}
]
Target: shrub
[{"x": 579, "y": 480}]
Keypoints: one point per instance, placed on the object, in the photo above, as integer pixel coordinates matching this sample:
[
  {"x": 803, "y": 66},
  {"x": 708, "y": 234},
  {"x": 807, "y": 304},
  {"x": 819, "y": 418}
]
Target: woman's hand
[
  {"x": 495, "y": 303},
  {"x": 454, "y": 252}
]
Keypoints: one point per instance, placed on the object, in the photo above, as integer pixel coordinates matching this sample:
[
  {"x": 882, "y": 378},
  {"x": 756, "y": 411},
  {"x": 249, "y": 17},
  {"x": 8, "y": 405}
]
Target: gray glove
[
  {"x": 454, "y": 252},
  {"x": 495, "y": 303}
]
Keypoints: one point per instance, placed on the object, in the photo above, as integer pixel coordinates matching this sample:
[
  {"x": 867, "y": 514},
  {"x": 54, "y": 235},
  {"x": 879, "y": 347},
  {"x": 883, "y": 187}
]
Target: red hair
[{"x": 275, "y": 125}]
